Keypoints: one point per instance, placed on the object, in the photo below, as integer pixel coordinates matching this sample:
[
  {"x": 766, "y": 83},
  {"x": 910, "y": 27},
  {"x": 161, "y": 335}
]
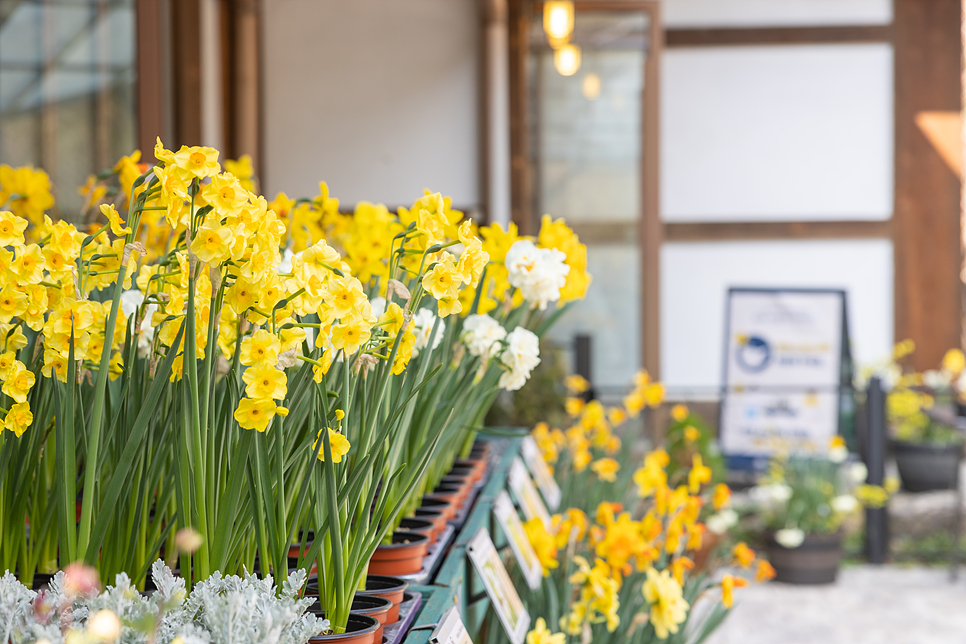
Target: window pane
[{"x": 67, "y": 92}]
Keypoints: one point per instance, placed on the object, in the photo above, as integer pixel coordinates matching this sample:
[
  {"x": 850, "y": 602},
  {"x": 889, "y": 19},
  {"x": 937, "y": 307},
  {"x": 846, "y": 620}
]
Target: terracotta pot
[
  {"x": 443, "y": 503},
  {"x": 476, "y": 466},
  {"x": 404, "y": 556},
  {"x": 436, "y": 517},
  {"x": 459, "y": 493},
  {"x": 468, "y": 471},
  {"x": 816, "y": 561},
  {"x": 361, "y": 629},
  {"x": 390, "y": 588},
  {"x": 462, "y": 481},
  {"x": 420, "y": 526},
  {"x": 373, "y": 606}
]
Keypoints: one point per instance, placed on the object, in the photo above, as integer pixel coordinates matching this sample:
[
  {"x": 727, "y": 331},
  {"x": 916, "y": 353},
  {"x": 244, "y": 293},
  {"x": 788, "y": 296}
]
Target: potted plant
[
  {"x": 928, "y": 452},
  {"x": 803, "y": 501}
]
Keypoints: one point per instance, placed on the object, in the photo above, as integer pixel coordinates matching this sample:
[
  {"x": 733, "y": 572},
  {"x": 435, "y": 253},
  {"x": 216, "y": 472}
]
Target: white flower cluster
[
  {"x": 482, "y": 335},
  {"x": 130, "y": 302},
  {"x": 423, "y": 323},
  {"x": 518, "y": 359},
  {"x": 539, "y": 273}
]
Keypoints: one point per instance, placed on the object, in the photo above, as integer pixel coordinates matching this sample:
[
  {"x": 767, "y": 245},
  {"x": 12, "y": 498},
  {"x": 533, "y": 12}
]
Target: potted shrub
[
  {"x": 803, "y": 501},
  {"x": 927, "y": 452}
]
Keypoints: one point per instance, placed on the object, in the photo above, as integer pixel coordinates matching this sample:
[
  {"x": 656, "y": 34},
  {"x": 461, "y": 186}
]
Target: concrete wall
[{"x": 377, "y": 97}]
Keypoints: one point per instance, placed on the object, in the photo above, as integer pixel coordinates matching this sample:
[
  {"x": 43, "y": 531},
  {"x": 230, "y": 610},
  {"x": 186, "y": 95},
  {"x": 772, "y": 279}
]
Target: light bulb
[
  {"x": 558, "y": 20},
  {"x": 566, "y": 60}
]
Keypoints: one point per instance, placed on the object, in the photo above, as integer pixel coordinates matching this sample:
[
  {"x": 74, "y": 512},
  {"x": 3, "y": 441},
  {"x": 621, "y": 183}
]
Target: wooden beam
[
  {"x": 242, "y": 69},
  {"x": 150, "y": 76},
  {"x": 651, "y": 231},
  {"x": 777, "y": 36},
  {"x": 756, "y": 230},
  {"x": 927, "y": 240},
  {"x": 521, "y": 187},
  {"x": 186, "y": 47}
]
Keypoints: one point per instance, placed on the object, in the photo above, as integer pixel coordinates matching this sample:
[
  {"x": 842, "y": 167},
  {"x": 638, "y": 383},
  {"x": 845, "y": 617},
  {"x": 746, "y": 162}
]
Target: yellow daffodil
[
  {"x": 743, "y": 554},
  {"x": 680, "y": 412},
  {"x": 255, "y": 413},
  {"x": 543, "y": 544},
  {"x": 18, "y": 419},
  {"x": 261, "y": 348},
  {"x": 11, "y": 229},
  {"x": 722, "y": 496},
  {"x": 543, "y": 635},
  {"x": 666, "y": 599},
  {"x": 118, "y": 226},
  {"x": 728, "y": 584},
  {"x": 699, "y": 474},
  {"x": 606, "y": 469},
  {"x": 765, "y": 571},
  {"x": 264, "y": 381},
  {"x": 338, "y": 444}
]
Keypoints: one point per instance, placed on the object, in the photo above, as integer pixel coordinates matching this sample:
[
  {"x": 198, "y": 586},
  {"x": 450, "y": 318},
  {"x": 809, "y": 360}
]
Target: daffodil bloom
[
  {"x": 743, "y": 554},
  {"x": 19, "y": 382},
  {"x": 196, "y": 162},
  {"x": 691, "y": 434},
  {"x": 543, "y": 544},
  {"x": 728, "y": 584},
  {"x": 722, "y": 496},
  {"x": 699, "y": 474},
  {"x": 338, "y": 444},
  {"x": 18, "y": 419},
  {"x": 954, "y": 361},
  {"x": 606, "y": 469},
  {"x": 262, "y": 348},
  {"x": 11, "y": 229},
  {"x": 543, "y": 635},
  {"x": 679, "y": 566},
  {"x": 765, "y": 571},
  {"x": 680, "y": 412},
  {"x": 265, "y": 382},
  {"x": 668, "y": 607},
  {"x": 255, "y": 413},
  {"x": 114, "y": 218}
]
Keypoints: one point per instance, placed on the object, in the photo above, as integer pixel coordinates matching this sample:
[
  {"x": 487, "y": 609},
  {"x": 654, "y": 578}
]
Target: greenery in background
[
  {"x": 541, "y": 399},
  {"x": 687, "y": 435},
  {"x": 804, "y": 496}
]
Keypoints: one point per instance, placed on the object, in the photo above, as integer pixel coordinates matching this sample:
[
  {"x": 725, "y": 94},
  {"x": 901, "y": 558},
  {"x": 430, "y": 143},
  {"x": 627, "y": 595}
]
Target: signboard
[
  {"x": 450, "y": 629},
  {"x": 785, "y": 353},
  {"x": 499, "y": 588},
  {"x": 506, "y": 515},
  {"x": 541, "y": 472},
  {"x": 520, "y": 483}
]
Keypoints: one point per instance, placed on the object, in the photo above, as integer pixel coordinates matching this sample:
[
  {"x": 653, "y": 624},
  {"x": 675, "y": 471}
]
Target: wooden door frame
[{"x": 650, "y": 232}]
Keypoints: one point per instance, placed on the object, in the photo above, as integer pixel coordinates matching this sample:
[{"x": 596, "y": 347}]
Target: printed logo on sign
[{"x": 753, "y": 353}]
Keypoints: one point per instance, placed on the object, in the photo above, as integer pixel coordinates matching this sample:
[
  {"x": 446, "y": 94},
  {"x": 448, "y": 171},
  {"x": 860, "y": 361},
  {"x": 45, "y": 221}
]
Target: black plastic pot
[
  {"x": 361, "y": 629},
  {"x": 816, "y": 561},
  {"x": 924, "y": 466}
]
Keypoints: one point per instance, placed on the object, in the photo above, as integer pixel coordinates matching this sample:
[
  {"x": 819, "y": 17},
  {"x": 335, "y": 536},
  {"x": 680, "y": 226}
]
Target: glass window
[
  {"x": 67, "y": 89},
  {"x": 586, "y": 146}
]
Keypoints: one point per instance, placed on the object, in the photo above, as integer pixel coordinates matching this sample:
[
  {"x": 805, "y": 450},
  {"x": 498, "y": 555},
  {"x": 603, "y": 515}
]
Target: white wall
[
  {"x": 753, "y": 13},
  {"x": 377, "y": 97},
  {"x": 695, "y": 278},
  {"x": 777, "y": 133}
]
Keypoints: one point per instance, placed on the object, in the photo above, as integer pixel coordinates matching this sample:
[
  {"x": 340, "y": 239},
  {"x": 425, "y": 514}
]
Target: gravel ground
[{"x": 868, "y": 605}]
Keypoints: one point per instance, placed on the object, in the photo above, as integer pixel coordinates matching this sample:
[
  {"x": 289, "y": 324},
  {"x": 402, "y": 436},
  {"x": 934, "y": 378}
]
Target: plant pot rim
[
  {"x": 377, "y": 604},
  {"x": 371, "y": 626},
  {"x": 812, "y": 538},
  {"x": 421, "y": 524},
  {"x": 391, "y": 584},
  {"x": 405, "y": 539},
  {"x": 927, "y": 446}
]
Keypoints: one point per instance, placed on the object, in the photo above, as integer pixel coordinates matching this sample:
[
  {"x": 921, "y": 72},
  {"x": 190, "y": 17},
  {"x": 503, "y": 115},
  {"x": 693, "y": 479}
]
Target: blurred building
[{"x": 699, "y": 144}]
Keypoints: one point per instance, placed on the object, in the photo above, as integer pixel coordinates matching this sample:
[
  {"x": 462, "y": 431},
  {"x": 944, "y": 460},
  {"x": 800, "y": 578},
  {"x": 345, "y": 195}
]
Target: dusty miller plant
[{"x": 220, "y": 610}]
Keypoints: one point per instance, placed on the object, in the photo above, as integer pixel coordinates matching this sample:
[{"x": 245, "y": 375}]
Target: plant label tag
[
  {"x": 526, "y": 493},
  {"x": 506, "y": 515},
  {"x": 450, "y": 630},
  {"x": 541, "y": 472},
  {"x": 499, "y": 588}
]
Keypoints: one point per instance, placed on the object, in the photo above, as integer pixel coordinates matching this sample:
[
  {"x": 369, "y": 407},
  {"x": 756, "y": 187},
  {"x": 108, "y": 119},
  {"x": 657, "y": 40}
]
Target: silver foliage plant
[{"x": 220, "y": 610}]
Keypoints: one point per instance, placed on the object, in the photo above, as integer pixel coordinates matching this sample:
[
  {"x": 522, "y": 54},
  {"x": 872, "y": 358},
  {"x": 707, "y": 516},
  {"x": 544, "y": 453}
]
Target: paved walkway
[{"x": 868, "y": 605}]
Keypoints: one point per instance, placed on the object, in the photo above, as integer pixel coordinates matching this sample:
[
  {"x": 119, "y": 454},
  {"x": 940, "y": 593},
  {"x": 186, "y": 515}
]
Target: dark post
[
  {"x": 582, "y": 354},
  {"x": 876, "y": 519}
]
